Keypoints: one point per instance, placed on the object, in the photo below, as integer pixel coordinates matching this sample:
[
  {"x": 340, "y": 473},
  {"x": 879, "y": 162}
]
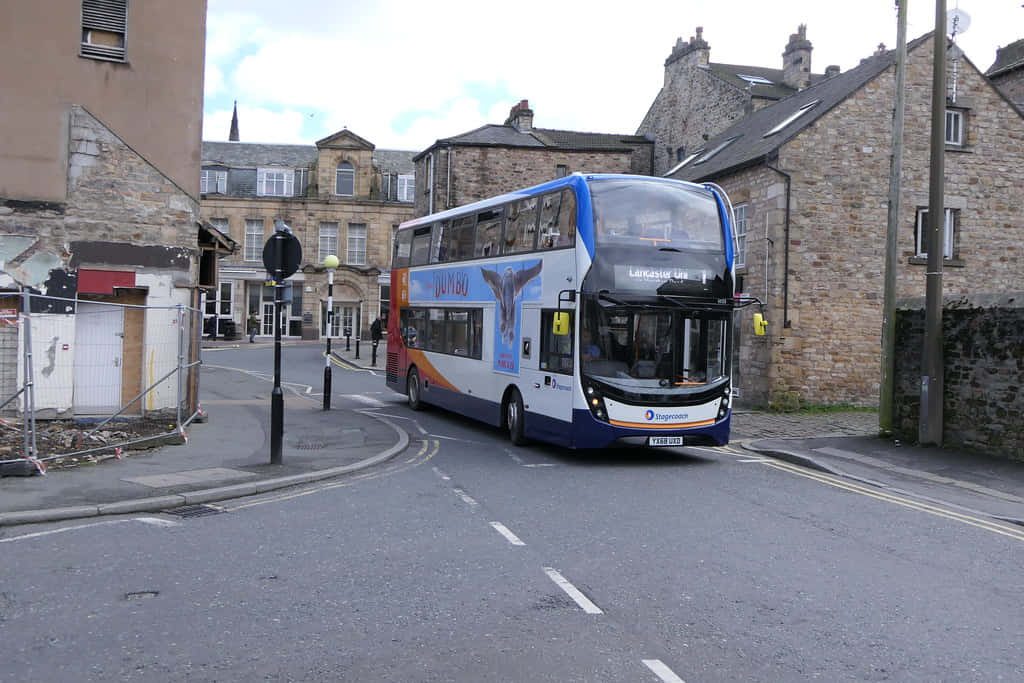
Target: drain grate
[
  {"x": 310, "y": 445},
  {"x": 195, "y": 511}
]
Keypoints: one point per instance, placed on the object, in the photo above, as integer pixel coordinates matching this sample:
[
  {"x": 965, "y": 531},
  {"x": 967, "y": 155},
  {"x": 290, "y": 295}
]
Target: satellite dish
[{"x": 957, "y": 22}]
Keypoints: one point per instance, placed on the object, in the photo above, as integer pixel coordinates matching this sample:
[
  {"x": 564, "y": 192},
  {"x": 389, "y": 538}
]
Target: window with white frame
[
  {"x": 275, "y": 182},
  {"x": 345, "y": 180},
  {"x": 226, "y": 298},
  {"x": 104, "y": 25},
  {"x": 301, "y": 181},
  {"x": 328, "y": 241},
  {"x": 356, "y": 244},
  {"x": 921, "y": 233},
  {"x": 253, "y": 239},
  {"x": 954, "y": 127},
  {"x": 211, "y": 182},
  {"x": 740, "y": 212},
  {"x": 406, "y": 187}
]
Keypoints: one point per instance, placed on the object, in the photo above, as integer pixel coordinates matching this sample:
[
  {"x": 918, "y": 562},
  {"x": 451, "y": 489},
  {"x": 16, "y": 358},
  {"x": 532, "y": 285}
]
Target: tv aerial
[{"x": 957, "y": 22}]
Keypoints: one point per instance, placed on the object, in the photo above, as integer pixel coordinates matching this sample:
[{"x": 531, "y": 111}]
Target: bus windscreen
[{"x": 661, "y": 215}]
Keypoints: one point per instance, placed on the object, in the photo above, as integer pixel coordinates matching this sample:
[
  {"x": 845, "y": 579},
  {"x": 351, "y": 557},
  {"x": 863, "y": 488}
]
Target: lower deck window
[{"x": 455, "y": 331}]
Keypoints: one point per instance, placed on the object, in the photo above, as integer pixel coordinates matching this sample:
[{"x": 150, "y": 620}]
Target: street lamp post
[{"x": 330, "y": 263}]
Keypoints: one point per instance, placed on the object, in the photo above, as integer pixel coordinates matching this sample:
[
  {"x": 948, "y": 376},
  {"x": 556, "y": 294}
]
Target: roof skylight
[
  {"x": 715, "y": 150},
  {"x": 793, "y": 117},
  {"x": 684, "y": 162}
]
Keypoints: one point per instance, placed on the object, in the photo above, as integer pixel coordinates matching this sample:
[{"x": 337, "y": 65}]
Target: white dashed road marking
[{"x": 572, "y": 591}]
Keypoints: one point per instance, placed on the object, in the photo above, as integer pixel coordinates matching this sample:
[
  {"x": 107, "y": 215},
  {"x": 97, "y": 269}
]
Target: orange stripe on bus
[
  {"x": 427, "y": 369},
  {"x": 648, "y": 425}
]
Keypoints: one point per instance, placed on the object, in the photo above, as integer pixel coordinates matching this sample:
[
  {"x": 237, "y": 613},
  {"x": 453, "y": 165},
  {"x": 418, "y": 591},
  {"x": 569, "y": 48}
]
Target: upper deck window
[{"x": 658, "y": 214}]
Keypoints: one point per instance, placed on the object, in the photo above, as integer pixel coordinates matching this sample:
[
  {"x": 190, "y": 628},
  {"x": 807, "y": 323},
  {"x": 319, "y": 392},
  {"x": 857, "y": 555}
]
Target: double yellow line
[
  {"x": 428, "y": 450},
  {"x": 1003, "y": 529}
]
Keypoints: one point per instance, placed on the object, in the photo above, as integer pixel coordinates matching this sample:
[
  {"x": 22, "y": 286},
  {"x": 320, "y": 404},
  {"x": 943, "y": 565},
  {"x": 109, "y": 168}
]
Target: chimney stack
[
  {"x": 831, "y": 70},
  {"x": 796, "y": 60},
  {"x": 520, "y": 117}
]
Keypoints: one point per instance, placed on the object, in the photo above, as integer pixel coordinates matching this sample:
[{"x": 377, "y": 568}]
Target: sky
[{"x": 405, "y": 73}]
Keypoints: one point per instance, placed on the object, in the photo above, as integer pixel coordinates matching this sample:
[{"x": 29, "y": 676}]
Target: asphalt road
[{"x": 467, "y": 559}]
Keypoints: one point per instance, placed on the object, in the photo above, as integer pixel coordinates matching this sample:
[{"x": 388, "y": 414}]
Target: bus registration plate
[{"x": 665, "y": 441}]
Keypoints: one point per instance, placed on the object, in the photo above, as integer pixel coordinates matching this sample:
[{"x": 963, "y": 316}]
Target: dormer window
[
  {"x": 275, "y": 182},
  {"x": 211, "y": 182},
  {"x": 793, "y": 117},
  {"x": 345, "y": 180}
]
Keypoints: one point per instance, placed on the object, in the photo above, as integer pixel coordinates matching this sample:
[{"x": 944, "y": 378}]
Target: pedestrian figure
[
  {"x": 376, "y": 331},
  {"x": 254, "y": 325}
]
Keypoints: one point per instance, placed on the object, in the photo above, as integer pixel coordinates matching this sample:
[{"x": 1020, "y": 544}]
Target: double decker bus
[{"x": 589, "y": 311}]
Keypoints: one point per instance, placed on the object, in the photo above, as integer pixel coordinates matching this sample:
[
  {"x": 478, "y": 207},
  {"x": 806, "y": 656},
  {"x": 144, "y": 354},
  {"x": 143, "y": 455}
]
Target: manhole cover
[{"x": 196, "y": 511}]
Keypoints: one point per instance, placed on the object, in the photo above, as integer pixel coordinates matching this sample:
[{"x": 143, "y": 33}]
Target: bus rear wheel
[
  {"x": 412, "y": 390},
  {"x": 514, "y": 416}
]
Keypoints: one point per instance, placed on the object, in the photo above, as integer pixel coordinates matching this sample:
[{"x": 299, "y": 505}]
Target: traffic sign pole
[{"x": 281, "y": 257}]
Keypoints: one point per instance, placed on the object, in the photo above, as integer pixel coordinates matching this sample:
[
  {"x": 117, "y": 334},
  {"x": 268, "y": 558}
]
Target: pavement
[{"x": 228, "y": 455}]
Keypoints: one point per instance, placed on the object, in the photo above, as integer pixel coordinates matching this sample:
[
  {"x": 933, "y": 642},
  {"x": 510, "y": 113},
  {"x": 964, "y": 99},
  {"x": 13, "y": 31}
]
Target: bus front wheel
[
  {"x": 514, "y": 418},
  {"x": 413, "y": 390}
]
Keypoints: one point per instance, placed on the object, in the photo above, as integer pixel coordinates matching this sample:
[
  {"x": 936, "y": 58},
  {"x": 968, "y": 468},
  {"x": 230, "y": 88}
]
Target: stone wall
[
  {"x": 481, "y": 172},
  {"x": 983, "y": 357},
  {"x": 830, "y": 352},
  {"x": 115, "y": 197},
  {"x": 693, "y": 106}
]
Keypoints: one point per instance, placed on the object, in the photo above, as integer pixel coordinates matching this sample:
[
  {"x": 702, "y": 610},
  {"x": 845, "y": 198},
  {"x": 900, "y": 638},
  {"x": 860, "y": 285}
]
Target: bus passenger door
[{"x": 550, "y": 387}]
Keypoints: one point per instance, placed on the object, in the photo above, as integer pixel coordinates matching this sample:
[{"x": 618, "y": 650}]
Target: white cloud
[
  {"x": 450, "y": 66},
  {"x": 257, "y": 125}
]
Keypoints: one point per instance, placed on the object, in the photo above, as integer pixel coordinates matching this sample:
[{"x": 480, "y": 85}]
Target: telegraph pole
[
  {"x": 930, "y": 426},
  {"x": 886, "y": 390}
]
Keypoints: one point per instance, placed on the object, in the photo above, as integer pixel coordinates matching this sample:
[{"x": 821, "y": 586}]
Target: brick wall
[{"x": 983, "y": 358}]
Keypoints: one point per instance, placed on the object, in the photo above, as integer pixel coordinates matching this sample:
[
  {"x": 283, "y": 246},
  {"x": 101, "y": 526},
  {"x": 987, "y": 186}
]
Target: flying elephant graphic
[{"x": 507, "y": 287}]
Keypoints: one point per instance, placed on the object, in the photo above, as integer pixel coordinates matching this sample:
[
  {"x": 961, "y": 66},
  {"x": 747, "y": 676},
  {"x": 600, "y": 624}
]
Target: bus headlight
[
  {"x": 595, "y": 402},
  {"x": 723, "y": 408}
]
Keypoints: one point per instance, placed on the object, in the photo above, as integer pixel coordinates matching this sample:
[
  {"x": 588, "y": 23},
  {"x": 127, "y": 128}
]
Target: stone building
[
  {"x": 700, "y": 98},
  {"x": 340, "y": 196},
  {"x": 1007, "y": 72},
  {"x": 99, "y": 165},
  {"x": 808, "y": 176},
  {"x": 495, "y": 159}
]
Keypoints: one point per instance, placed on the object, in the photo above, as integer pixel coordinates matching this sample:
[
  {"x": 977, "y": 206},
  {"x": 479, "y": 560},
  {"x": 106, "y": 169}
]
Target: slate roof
[
  {"x": 1007, "y": 59},
  {"x": 394, "y": 161},
  {"x": 777, "y": 90},
  {"x": 750, "y": 145},
  {"x": 251, "y": 154},
  {"x": 493, "y": 135}
]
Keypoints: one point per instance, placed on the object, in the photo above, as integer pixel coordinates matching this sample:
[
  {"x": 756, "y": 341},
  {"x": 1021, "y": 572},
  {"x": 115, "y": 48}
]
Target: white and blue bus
[{"x": 590, "y": 311}]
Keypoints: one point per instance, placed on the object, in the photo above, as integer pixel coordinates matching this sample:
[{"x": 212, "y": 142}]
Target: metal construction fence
[{"x": 81, "y": 380}]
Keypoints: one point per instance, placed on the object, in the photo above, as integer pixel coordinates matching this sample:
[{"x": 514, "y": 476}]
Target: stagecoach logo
[{"x": 652, "y": 416}]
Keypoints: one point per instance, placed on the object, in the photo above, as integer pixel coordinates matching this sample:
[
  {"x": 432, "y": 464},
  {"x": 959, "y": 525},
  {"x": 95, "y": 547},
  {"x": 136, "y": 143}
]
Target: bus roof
[{"x": 575, "y": 180}]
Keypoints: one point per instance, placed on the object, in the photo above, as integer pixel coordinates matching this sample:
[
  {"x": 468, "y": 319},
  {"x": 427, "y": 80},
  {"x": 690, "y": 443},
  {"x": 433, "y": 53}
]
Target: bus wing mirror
[
  {"x": 760, "y": 325},
  {"x": 560, "y": 324}
]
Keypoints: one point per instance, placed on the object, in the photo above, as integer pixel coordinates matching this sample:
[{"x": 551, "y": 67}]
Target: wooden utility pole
[
  {"x": 886, "y": 389},
  {"x": 930, "y": 426}
]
